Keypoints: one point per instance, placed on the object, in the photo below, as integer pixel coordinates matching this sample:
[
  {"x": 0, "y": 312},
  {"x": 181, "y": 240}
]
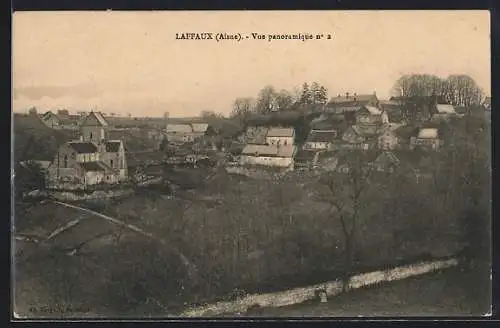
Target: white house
[
  {"x": 427, "y": 138},
  {"x": 443, "y": 111},
  {"x": 320, "y": 140},
  {"x": 280, "y": 136},
  {"x": 268, "y": 155}
]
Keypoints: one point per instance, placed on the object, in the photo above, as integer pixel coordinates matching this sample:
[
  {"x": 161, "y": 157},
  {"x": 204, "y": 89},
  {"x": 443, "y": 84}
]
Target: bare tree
[
  {"x": 463, "y": 91},
  {"x": 266, "y": 100},
  {"x": 345, "y": 195},
  {"x": 242, "y": 109},
  {"x": 284, "y": 100}
]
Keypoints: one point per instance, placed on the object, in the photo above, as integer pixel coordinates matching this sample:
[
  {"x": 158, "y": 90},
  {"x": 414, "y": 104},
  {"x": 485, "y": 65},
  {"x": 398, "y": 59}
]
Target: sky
[{"x": 131, "y": 62}]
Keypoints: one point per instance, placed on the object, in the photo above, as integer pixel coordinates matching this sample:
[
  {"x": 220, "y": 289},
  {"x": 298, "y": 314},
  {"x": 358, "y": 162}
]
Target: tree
[
  {"x": 28, "y": 177},
  {"x": 32, "y": 111},
  {"x": 284, "y": 100},
  {"x": 306, "y": 97},
  {"x": 462, "y": 90},
  {"x": 319, "y": 94},
  {"x": 345, "y": 195},
  {"x": 266, "y": 100},
  {"x": 242, "y": 109}
]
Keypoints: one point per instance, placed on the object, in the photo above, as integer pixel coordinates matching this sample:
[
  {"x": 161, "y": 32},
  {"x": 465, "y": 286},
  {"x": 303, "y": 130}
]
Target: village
[
  {"x": 347, "y": 122},
  {"x": 321, "y": 185}
]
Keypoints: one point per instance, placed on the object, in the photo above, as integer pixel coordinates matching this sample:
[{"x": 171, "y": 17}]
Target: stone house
[
  {"x": 359, "y": 137},
  {"x": 187, "y": 132},
  {"x": 371, "y": 115},
  {"x": 280, "y": 136},
  {"x": 320, "y": 139},
  {"x": 91, "y": 160},
  {"x": 268, "y": 155},
  {"x": 180, "y": 133},
  {"x": 351, "y": 102},
  {"x": 51, "y": 120},
  {"x": 442, "y": 112},
  {"x": 426, "y": 139}
]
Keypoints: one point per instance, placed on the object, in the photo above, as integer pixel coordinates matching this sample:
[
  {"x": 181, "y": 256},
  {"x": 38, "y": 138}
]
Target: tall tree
[
  {"x": 306, "y": 97},
  {"x": 284, "y": 100},
  {"x": 266, "y": 101},
  {"x": 319, "y": 94},
  {"x": 242, "y": 109},
  {"x": 345, "y": 193},
  {"x": 463, "y": 91}
]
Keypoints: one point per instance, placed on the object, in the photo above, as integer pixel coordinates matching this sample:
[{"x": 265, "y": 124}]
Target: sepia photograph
[{"x": 233, "y": 164}]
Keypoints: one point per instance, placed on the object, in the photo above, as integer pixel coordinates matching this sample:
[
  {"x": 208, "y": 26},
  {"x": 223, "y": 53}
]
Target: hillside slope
[{"x": 35, "y": 140}]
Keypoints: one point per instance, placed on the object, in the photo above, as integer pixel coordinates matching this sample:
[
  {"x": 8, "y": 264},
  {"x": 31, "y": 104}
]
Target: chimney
[{"x": 347, "y": 95}]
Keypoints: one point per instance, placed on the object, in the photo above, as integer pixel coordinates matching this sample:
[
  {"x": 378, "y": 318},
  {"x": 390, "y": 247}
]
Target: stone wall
[{"x": 332, "y": 288}]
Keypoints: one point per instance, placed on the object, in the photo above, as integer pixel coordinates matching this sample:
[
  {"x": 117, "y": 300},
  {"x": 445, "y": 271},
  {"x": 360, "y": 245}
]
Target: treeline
[
  {"x": 270, "y": 100},
  {"x": 458, "y": 90}
]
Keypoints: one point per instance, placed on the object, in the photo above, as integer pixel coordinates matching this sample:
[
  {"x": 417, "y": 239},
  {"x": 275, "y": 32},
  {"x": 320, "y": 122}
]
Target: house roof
[
  {"x": 48, "y": 114},
  {"x": 445, "y": 109},
  {"x": 112, "y": 146},
  {"x": 321, "y": 136},
  {"x": 269, "y": 150},
  {"x": 43, "y": 164},
  {"x": 98, "y": 116},
  {"x": 351, "y": 98},
  {"x": 95, "y": 166},
  {"x": 199, "y": 127},
  {"x": 179, "y": 128},
  {"x": 280, "y": 132},
  {"x": 83, "y": 147},
  {"x": 389, "y": 103},
  {"x": 428, "y": 133},
  {"x": 373, "y": 110},
  {"x": 304, "y": 155}
]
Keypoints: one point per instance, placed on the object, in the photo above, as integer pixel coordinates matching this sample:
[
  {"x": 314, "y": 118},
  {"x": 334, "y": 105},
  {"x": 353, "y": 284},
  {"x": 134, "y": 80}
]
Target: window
[
  {"x": 65, "y": 160},
  {"x": 91, "y": 136},
  {"x": 285, "y": 142}
]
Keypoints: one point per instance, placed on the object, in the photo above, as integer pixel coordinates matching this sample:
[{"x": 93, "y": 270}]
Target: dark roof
[
  {"x": 112, "y": 146},
  {"x": 83, "y": 147},
  {"x": 304, "y": 155},
  {"x": 321, "y": 136},
  {"x": 352, "y": 98}
]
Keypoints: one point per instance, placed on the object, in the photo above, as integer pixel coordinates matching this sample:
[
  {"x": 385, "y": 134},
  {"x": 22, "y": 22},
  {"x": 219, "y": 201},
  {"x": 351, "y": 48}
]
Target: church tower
[{"x": 94, "y": 128}]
